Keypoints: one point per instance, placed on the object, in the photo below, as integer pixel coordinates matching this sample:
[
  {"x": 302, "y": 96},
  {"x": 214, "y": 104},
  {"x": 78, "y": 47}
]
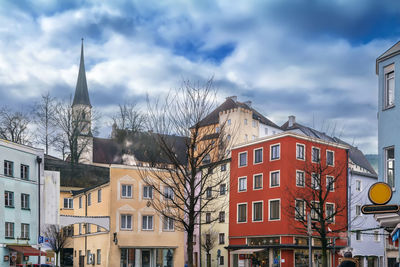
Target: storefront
[
  {"x": 147, "y": 257},
  {"x": 21, "y": 255}
]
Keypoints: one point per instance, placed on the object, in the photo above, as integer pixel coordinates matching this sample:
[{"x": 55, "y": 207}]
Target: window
[
  {"x": 358, "y": 235},
  {"x": 126, "y": 191},
  {"x": 299, "y": 209},
  {"x": 168, "y": 224},
  {"x": 126, "y": 222},
  {"x": 80, "y": 202},
  {"x": 389, "y": 166},
  {"x": 300, "y": 151},
  {"x": 80, "y": 228},
  {"x": 24, "y": 172},
  {"x": 208, "y": 217},
  {"x": 147, "y": 222},
  {"x": 221, "y": 260},
  {"x": 242, "y": 184},
  {"x": 253, "y": 137},
  {"x": 9, "y": 199},
  {"x": 222, "y": 189},
  {"x": 275, "y": 152},
  {"x": 330, "y": 183},
  {"x": 9, "y": 231},
  {"x": 257, "y": 211},
  {"x": 88, "y": 228},
  {"x": 330, "y": 158},
  {"x": 194, "y": 239},
  {"x": 229, "y": 122},
  {"x": 228, "y": 137},
  {"x": 89, "y": 202},
  {"x": 217, "y": 129},
  {"x": 330, "y": 210},
  {"x": 315, "y": 181},
  {"x": 245, "y": 121},
  {"x": 8, "y": 168},
  {"x": 242, "y": 159},
  {"x": 254, "y": 123},
  {"x": 300, "y": 178},
  {"x": 376, "y": 236},
  {"x": 315, "y": 210},
  {"x": 358, "y": 185},
  {"x": 315, "y": 154},
  {"x": 221, "y": 216},
  {"x": 274, "y": 210},
  {"x": 258, "y": 155},
  {"x": 99, "y": 195},
  {"x": 98, "y": 228},
  {"x": 274, "y": 179},
  {"x": 242, "y": 213},
  {"x": 208, "y": 192},
  {"x": 98, "y": 255},
  {"x": 221, "y": 238},
  {"x": 147, "y": 192},
  {"x": 168, "y": 193},
  {"x": 358, "y": 210},
  {"x": 223, "y": 167},
  {"x": 68, "y": 203},
  {"x": 389, "y": 89},
  {"x": 258, "y": 181},
  {"x": 88, "y": 256},
  {"x": 25, "y": 202},
  {"x": 24, "y": 231}
]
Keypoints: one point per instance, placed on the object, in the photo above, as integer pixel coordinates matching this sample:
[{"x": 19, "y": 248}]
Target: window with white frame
[
  {"x": 315, "y": 154},
  {"x": 300, "y": 181},
  {"x": 168, "y": 193},
  {"x": 68, "y": 203},
  {"x": 315, "y": 210},
  {"x": 242, "y": 212},
  {"x": 275, "y": 152},
  {"x": 376, "y": 236},
  {"x": 242, "y": 184},
  {"x": 330, "y": 158},
  {"x": 389, "y": 166},
  {"x": 258, "y": 155},
  {"x": 221, "y": 216},
  {"x": 258, "y": 181},
  {"x": 147, "y": 192},
  {"x": 126, "y": 222},
  {"x": 330, "y": 183},
  {"x": 274, "y": 179},
  {"x": 221, "y": 238},
  {"x": 242, "y": 159},
  {"x": 24, "y": 172},
  {"x": 358, "y": 235},
  {"x": 126, "y": 191},
  {"x": 300, "y": 148},
  {"x": 25, "y": 201},
  {"x": 274, "y": 209},
  {"x": 257, "y": 211},
  {"x": 299, "y": 209},
  {"x": 8, "y": 168},
  {"x": 389, "y": 88},
  {"x": 358, "y": 210},
  {"x": 9, "y": 199},
  {"x": 99, "y": 196},
  {"x": 222, "y": 189},
  {"x": 330, "y": 212},
  {"x": 25, "y": 231},
  {"x": 147, "y": 222},
  {"x": 358, "y": 185},
  {"x": 315, "y": 181},
  {"x": 168, "y": 224},
  {"x": 208, "y": 217},
  {"x": 9, "y": 230}
]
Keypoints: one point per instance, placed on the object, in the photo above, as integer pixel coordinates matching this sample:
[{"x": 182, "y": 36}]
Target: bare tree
[
  {"x": 129, "y": 118},
  {"x": 318, "y": 198},
  {"x": 57, "y": 239},
  {"x": 208, "y": 242},
  {"x": 14, "y": 126},
  {"x": 44, "y": 116},
  {"x": 178, "y": 126}
]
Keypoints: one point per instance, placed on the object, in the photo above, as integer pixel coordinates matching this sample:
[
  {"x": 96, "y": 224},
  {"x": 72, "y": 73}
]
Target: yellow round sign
[{"x": 380, "y": 193}]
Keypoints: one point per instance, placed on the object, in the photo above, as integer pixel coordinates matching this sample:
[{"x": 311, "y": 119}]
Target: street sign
[
  {"x": 396, "y": 235},
  {"x": 40, "y": 239},
  {"x": 379, "y": 209},
  {"x": 380, "y": 193}
]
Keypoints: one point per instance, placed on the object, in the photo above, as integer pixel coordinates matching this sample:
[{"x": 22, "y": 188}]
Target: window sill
[
  {"x": 148, "y": 230},
  {"x": 167, "y": 230},
  {"x": 28, "y": 209},
  {"x": 388, "y": 107},
  {"x": 10, "y": 207},
  {"x": 7, "y": 237},
  {"x": 67, "y": 208}
]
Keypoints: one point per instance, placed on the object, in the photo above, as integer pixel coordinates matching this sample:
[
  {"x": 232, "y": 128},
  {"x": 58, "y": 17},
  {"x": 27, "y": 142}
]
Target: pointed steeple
[{"x": 81, "y": 96}]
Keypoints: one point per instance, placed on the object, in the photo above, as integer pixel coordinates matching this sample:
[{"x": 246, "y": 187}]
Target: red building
[{"x": 274, "y": 183}]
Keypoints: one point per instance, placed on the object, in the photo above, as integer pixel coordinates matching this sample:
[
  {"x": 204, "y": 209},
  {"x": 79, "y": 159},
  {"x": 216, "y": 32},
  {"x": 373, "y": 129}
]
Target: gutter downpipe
[{"x": 349, "y": 200}]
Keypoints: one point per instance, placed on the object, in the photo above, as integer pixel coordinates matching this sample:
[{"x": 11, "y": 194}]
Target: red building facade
[{"x": 273, "y": 183}]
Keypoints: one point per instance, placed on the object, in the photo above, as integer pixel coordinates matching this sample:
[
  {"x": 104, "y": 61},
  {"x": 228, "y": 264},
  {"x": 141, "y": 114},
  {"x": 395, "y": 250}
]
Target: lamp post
[{"x": 39, "y": 160}]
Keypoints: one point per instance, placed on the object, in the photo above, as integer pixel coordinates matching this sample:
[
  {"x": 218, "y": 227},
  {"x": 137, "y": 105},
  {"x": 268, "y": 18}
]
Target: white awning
[{"x": 247, "y": 251}]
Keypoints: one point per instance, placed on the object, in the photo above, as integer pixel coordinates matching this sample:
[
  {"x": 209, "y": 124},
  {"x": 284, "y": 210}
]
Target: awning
[
  {"x": 247, "y": 250},
  {"x": 27, "y": 250}
]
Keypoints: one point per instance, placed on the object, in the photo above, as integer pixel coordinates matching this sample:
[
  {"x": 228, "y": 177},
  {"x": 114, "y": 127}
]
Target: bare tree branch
[{"x": 14, "y": 126}]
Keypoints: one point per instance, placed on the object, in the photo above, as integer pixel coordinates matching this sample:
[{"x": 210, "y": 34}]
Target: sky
[{"x": 314, "y": 59}]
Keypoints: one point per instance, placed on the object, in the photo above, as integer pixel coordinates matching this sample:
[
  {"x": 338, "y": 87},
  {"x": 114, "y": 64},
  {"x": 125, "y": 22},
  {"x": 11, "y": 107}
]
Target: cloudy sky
[{"x": 313, "y": 59}]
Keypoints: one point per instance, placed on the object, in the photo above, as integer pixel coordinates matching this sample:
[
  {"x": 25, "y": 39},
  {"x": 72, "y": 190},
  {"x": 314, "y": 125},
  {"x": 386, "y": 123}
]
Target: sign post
[
  {"x": 380, "y": 194},
  {"x": 309, "y": 232}
]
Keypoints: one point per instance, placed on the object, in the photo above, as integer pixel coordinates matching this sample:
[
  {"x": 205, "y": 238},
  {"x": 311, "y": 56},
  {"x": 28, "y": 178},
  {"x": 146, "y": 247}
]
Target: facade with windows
[
  {"x": 265, "y": 219},
  {"x": 19, "y": 202}
]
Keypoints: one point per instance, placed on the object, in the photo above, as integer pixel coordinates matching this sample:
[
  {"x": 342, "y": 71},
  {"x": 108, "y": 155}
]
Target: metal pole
[
  {"x": 39, "y": 160},
  {"x": 309, "y": 232},
  {"x": 334, "y": 244}
]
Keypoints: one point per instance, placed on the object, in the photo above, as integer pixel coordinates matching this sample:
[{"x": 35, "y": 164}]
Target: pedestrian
[{"x": 348, "y": 260}]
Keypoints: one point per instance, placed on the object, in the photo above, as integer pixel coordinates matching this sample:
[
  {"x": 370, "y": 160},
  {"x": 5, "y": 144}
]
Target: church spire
[{"x": 81, "y": 96}]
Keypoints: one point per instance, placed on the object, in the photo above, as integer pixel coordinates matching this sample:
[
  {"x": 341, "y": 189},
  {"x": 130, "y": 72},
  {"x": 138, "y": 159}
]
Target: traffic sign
[
  {"x": 40, "y": 239},
  {"x": 396, "y": 235},
  {"x": 378, "y": 209},
  {"x": 380, "y": 193}
]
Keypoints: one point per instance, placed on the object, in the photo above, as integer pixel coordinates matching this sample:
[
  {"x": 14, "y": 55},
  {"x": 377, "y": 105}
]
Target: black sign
[{"x": 377, "y": 209}]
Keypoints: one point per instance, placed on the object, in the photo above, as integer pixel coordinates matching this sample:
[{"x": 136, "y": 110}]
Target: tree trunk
[
  {"x": 57, "y": 259},
  {"x": 324, "y": 252},
  {"x": 208, "y": 259},
  {"x": 189, "y": 247}
]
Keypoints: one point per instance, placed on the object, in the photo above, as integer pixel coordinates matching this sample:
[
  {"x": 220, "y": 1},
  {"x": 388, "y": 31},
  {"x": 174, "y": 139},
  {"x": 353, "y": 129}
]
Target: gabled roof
[
  {"x": 230, "y": 103},
  {"x": 355, "y": 154},
  {"x": 81, "y": 96},
  {"x": 394, "y": 50}
]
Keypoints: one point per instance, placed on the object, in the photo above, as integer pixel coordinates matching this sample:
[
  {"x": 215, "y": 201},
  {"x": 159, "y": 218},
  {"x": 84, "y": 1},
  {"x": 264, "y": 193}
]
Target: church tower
[{"x": 82, "y": 114}]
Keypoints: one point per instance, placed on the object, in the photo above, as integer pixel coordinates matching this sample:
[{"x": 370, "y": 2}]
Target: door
[
  {"x": 145, "y": 258},
  {"x": 81, "y": 261}
]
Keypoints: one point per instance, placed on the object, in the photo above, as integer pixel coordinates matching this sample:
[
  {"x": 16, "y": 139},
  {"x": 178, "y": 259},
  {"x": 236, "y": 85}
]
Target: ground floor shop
[
  {"x": 147, "y": 257},
  {"x": 18, "y": 255}
]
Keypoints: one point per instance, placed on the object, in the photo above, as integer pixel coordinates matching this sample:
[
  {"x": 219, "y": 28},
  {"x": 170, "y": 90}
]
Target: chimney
[
  {"x": 234, "y": 98},
  {"x": 292, "y": 120},
  {"x": 248, "y": 103}
]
